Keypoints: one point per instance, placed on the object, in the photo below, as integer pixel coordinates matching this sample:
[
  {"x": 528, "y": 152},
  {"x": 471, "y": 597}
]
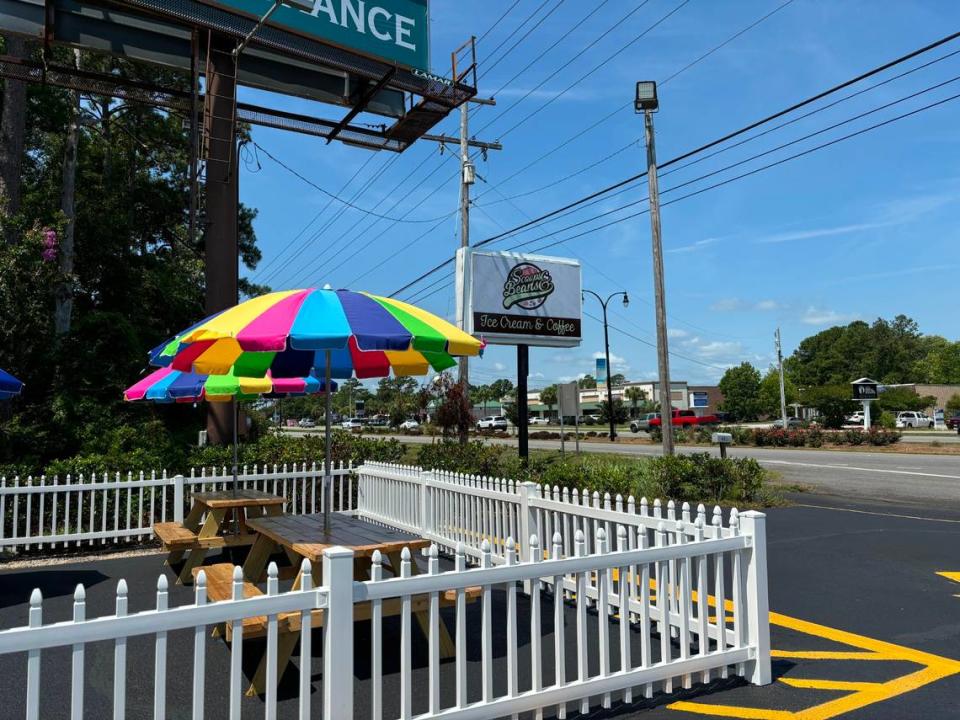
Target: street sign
[
  {"x": 396, "y": 31},
  {"x": 514, "y": 299},
  {"x": 568, "y": 395},
  {"x": 700, "y": 399}
]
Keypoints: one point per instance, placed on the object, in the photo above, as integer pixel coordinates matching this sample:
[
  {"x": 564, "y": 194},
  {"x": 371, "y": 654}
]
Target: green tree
[
  {"x": 500, "y": 389},
  {"x": 769, "y": 394},
  {"x": 740, "y": 386},
  {"x": 548, "y": 396},
  {"x": 618, "y": 380},
  {"x": 636, "y": 396},
  {"x": 953, "y": 404},
  {"x": 833, "y": 402},
  {"x": 587, "y": 382},
  {"x": 619, "y": 412},
  {"x": 895, "y": 399},
  {"x": 940, "y": 363}
]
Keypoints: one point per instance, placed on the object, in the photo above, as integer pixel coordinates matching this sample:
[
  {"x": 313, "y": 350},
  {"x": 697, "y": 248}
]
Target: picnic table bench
[
  {"x": 217, "y": 511},
  {"x": 302, "y": 536}
]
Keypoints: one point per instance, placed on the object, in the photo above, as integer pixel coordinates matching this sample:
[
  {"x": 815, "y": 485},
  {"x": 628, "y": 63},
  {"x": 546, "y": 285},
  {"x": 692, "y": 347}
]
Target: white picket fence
[
  {"x": 48, "y": 513},
  {"x": 643, "y": 646}
]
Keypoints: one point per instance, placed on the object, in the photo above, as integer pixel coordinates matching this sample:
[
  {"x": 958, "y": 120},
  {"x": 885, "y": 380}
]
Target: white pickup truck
[{"x": 911, "y": 419}]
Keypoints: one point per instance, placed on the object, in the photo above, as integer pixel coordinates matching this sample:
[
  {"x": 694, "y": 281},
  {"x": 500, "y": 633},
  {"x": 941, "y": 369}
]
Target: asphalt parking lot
[{"x": 863, "y": 626}]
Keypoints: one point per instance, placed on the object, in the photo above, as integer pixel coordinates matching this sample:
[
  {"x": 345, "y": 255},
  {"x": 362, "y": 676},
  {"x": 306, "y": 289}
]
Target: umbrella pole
[
  {"x": 236, "y": 421},
  {"x": 327, "y": 484}
]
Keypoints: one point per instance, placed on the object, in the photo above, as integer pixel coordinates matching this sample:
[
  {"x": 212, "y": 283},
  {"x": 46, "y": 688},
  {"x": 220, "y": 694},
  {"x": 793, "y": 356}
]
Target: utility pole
[
  {"x": 646, "y": 102},
  {"x": 468, "y": 176},
  {"x": 783, "y": 394}
]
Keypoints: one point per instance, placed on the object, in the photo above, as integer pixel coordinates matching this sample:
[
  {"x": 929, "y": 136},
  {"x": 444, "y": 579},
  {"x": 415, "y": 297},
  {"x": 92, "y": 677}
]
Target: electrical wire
[
  {"x": 707, "y": 146},
  {"x": 522, "y": 38}
]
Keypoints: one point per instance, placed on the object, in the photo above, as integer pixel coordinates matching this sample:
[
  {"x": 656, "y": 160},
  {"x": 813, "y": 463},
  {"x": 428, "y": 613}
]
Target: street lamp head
[
  {"x": 626, "y": 300},
  {"x": 646, "y": 96}
]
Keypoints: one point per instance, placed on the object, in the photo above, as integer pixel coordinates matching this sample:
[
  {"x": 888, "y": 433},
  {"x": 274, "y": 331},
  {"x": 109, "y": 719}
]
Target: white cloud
[
  {"x": 677, "y": 333},
  {"x": 693, "y": 247},
  {"x": 738, "y": 305},
  {"x": 822, "y": 232},
  {"x": 818, "y": 316},
  {"x": 499, "y": 367}
]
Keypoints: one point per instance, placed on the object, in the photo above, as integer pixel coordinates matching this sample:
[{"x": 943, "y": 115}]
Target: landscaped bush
[
  {"x": 815, "y": 437},
  {"x": 474, "y": 458},
  {"x": 704, "y": 477}
]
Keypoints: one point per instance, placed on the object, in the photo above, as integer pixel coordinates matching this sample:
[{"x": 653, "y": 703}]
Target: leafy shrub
[
  {"x": 701, "y": 476},
  {"x": 471, "y": 458}
]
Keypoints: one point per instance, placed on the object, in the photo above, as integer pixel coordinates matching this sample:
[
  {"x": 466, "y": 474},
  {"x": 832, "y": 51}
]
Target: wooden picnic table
[
  {"x": 219, "y": 512},
  {"x": 303, "y": 536}
]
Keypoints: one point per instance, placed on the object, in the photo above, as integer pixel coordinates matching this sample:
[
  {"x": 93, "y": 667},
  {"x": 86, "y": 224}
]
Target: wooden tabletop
[
  {"x": 242, "y": 498},
  {"x": 304, "y": 535}
]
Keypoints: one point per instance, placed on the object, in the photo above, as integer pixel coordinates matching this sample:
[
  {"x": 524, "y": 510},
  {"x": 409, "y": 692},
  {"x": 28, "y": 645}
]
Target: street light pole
[
  {"x": 606, "y": 346},
  {"x": 647, "y": 102}
]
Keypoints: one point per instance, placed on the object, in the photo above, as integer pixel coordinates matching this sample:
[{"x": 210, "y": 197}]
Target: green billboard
[{"x": 396, "y": 31}]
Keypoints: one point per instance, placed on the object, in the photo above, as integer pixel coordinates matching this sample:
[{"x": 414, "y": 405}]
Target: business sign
[
  {"x": 512, "y": 299},
  {"x": 568, "y": 397},
  {"x": 700, "y": 399},
  {"x": 601, "y": 371},
  {"x": 397, "y": 31},
  {"x": 865, "y": 389}
]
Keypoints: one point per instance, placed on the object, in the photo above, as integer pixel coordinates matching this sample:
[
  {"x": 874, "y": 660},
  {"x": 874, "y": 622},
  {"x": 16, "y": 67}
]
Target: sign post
[
  {"x": 569, "y": 397},
  {"x": 866, "y": 391}
]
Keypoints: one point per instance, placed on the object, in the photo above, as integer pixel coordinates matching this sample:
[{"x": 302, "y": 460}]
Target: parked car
[
  {"x": 409, "y": 425},
  {"x": 724, "y": 418},
  {"x": 686, "y": 419},
  {"x": 953, "y": 422},
  {"x": 642, "y": 424},
  {"x": 379, "y": 421},
  {"x": 912, "y": 419},
  {"x": 306, "y": 423},
  {"x": 539, "y": 421},
  {"x": 856, "y": 418},
  {"x": 792, "y": 423},
  {"x": 352, "y": 423},
  {"x": 492, "y": 422}
]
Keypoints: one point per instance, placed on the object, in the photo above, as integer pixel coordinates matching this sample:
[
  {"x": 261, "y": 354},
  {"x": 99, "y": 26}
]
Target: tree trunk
[
  {"x": 63, "y": 310},
  {"x": 12, "y": 130}
]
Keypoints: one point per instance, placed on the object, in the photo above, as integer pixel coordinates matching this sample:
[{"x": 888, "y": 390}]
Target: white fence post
[
  {"x": 338, "y": 634},
  {"x": 528, "y": 517},
  {"x": 178, "y": 498},
  {"x": 754, "y": 525},
  {"x": 426, "y": 519}
]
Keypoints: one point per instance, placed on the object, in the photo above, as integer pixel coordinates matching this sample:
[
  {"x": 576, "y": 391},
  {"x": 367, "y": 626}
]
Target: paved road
[
  {"x": 844, "y": 578},
  {"x": 893, "y": 477}
]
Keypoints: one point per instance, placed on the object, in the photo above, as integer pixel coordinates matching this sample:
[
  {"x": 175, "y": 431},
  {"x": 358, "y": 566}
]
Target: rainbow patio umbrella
[
  {"x": 172, "y": 386},
  {"x": 10, "y": 387},
  {"x": 297, "y": 333}
]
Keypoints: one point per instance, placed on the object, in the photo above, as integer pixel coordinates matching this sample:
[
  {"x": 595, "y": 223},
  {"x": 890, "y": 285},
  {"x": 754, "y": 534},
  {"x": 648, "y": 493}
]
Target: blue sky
[{"x": 864, "y": 228}]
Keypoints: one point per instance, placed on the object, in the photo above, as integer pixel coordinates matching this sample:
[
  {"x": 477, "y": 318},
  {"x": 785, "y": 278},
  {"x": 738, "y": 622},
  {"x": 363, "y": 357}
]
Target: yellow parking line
[
  {"x": 830, "y": 684},
  {"x": 732, "y": 711},
  {"x": 860, "y": 694},
  {"x": 829, "y": 655}
]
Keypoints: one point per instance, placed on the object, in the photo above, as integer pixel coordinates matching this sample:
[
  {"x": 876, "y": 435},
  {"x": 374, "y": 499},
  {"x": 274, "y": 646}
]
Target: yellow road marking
[
  {"x": 732, "y": 711},
  {"x": 859, "y": 694},
  {"x": 955, "y": 576},
  {"x": 829, "y": 684}
]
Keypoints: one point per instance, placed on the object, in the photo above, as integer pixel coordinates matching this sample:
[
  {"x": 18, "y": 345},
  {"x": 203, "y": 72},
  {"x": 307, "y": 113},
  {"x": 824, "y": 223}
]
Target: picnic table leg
[
  {"x": 286, "y": 642},
  {"x": 191, "y": 523},
  {"x": 194, "y": 559},
  {"x": 257, "y": 558},
  {"x": 447, "y": 647}
]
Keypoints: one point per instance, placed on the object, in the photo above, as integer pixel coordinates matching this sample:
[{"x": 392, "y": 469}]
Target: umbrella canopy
[
  {"x": 287, "y": 335},
  {"x": 167, "y": 386},
  {"x": 9, "y": 385}
]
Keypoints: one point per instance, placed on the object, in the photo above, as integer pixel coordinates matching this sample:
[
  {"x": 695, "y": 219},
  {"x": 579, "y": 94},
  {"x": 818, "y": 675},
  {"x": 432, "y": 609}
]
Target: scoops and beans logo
[{"x": 527, "y": 286}]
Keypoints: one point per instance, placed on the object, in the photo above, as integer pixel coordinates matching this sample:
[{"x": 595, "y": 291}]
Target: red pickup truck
[{"x": 687, "y": 418}]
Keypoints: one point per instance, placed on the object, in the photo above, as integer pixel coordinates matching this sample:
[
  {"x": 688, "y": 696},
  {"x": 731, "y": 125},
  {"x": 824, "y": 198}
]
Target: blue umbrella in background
[{"x": 10, "y": 387}]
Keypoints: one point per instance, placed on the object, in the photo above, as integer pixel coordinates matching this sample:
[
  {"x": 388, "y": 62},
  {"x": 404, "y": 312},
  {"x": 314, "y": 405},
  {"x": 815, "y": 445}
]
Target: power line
[
  {"x": 705, "y": 147},
  {"x": 316, "y": 217},
  {"x": 523, "y": 37},
  {"x": 617, "y": 110},
  {"x": 338, "y": 199},
  {"x": 727, "y": 181},
  {"x": 499, "y": 20}
]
